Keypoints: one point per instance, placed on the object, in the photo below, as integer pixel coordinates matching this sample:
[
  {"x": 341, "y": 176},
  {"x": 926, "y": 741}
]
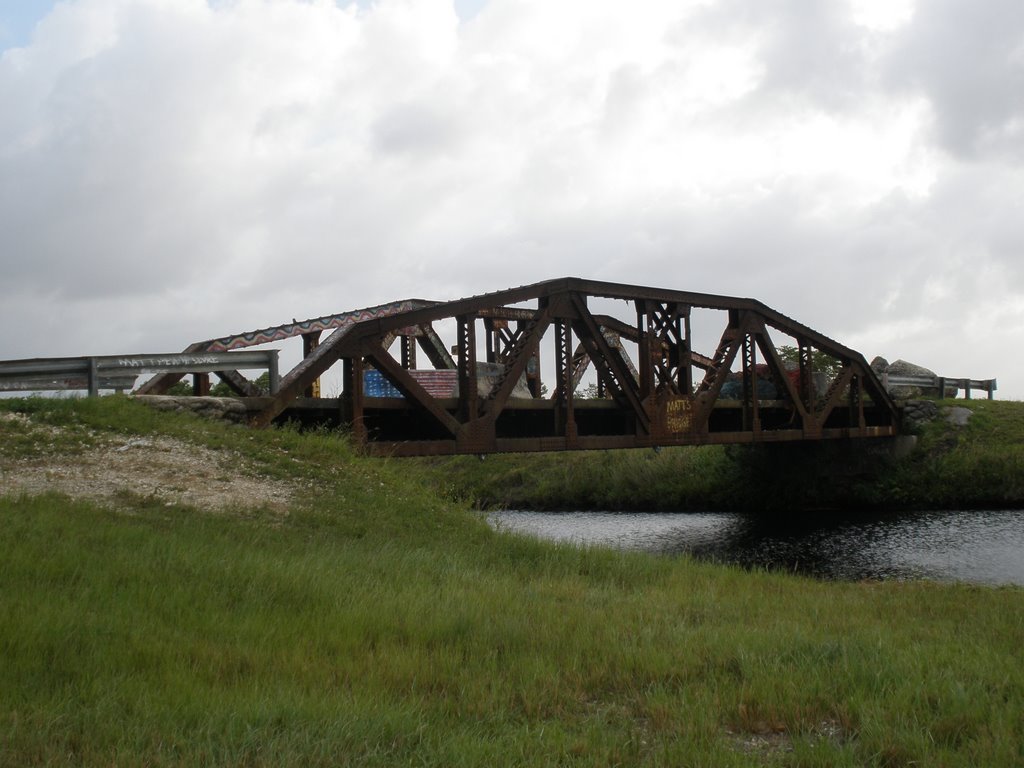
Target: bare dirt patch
[{"x": 169, "y": 470}]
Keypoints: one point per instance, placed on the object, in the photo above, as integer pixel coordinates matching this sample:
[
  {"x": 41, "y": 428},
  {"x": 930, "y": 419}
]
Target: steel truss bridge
[{"x": 484, "y": 392}]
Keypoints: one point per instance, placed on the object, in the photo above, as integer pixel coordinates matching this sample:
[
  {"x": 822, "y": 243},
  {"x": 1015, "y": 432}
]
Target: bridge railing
[
  {"x": 940, "y": 384},
  {"x": 119, "y": 372}
]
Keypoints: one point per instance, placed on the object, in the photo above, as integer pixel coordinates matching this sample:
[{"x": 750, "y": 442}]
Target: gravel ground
[{"x": 167, "y": 469}]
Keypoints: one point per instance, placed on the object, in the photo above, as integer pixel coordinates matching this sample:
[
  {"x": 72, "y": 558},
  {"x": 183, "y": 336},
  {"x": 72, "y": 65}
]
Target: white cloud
[
  {"x": 969, "y": 61},
  {"x": 172, "y": 169},
  {"x": 882, "y": 15}
]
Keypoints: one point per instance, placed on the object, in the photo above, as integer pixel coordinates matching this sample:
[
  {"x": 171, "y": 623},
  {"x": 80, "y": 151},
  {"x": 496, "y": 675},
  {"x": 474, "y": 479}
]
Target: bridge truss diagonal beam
[
  {"x": 609, "y": 363},
  {"x": 519, "y": 355},
  {"x": 412, "y": 390},
  {"x": 782, "y": 381},
  {"x": 715, "y": 376}
]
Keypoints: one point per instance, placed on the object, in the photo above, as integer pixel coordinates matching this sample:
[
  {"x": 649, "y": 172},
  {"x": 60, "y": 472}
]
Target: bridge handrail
[
  {"x": 94, "y": 372},
  {"x": 939, "y": 383}
]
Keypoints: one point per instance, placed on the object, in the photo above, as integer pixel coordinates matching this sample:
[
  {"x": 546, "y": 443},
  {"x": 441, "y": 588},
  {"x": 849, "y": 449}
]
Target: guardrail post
[
  {"x": 942, "y": 387},
  {"x": 967, "y": 388},
  {"x": 93, "y": 378}
]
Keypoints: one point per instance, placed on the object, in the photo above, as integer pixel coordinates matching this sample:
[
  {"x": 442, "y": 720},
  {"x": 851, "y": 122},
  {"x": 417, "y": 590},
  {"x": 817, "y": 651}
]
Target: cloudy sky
[{"x": 173, "y": 170}]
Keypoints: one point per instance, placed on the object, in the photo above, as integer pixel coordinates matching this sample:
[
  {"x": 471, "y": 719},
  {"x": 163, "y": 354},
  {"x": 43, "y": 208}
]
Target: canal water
[{"x": 976, "y": 547}]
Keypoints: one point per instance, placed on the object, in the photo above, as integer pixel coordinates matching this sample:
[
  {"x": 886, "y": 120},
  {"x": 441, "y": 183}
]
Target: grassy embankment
[
  {"x": 380, "y": 624},
  {"x": 977, "y": 466}
]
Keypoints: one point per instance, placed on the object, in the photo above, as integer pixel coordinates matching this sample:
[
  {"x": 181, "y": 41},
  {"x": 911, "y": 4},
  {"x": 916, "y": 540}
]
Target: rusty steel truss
[{"x": 651, "y": 388}]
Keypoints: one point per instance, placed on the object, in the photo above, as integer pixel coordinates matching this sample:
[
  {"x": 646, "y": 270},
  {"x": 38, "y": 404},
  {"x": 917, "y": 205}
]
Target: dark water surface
[{"x": 977, "y": 547}]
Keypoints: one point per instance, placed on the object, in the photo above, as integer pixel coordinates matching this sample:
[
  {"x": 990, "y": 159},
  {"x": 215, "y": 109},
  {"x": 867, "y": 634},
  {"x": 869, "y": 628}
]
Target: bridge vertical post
[
  {"x": 274, "y": 373},
  {"x": 686, "y": 358},
  {"x": 645, "y": 349},
  {"x": 677, "y": 349},
  {"x": 491, "y": 343},
  {"x": 533, "y": 382},
  {"x": 811, "y": 424},
  {"x": 565, "y": 424},
  {"x": 310, "y": 341},
  {"x": 409, "y": 353},
  {"x": 751, "y": 409},
  {"x": 468, "y": 396},
  {"x": 856, "y": 404},
  {"x": 806, "y": 370},
  {"x": 352, "y": 397}
]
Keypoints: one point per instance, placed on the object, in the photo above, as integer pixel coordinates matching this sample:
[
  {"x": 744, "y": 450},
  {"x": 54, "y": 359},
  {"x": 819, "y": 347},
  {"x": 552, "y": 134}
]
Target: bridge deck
[{"x": 529, "y": 426}]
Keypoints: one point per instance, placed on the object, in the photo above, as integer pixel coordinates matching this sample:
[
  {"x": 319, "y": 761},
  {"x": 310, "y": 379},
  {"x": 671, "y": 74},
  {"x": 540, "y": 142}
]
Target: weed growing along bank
[{"x": 376, "y": 623}]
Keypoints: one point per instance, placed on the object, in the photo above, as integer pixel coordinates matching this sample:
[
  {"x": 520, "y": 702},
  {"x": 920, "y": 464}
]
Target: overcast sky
[{"x": 174, "y": 170}]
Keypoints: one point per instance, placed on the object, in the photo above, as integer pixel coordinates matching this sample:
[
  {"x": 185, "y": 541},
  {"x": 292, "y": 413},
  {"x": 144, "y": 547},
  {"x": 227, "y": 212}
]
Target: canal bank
[{"x": 958, "y": 462}]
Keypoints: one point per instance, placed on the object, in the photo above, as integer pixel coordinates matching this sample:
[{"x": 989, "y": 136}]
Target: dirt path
[{"x": 111, "y": 468}]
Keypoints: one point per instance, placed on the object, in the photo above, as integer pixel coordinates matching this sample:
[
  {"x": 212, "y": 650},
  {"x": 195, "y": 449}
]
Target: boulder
[
  {"x": 904, "y": 368},
  {"x": 958, "y": 417}
]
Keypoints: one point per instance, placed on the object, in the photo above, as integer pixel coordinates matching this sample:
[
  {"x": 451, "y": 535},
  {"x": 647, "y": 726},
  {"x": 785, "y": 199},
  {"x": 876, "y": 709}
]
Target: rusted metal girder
[
  {"x": 307, "y": 329},
  {"x": 494, "y": 400},
  {"x": 484, "y": 392}
]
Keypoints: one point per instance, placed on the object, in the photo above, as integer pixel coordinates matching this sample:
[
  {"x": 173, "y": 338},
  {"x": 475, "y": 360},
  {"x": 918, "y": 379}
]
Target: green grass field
[{"x": 380, "y": 622}]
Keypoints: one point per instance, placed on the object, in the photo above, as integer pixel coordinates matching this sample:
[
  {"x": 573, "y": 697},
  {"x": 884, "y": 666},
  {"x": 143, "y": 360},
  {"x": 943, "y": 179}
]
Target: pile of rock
[
  {"x": 226, "y": 408},
  {"x": 918, "y": 412}
]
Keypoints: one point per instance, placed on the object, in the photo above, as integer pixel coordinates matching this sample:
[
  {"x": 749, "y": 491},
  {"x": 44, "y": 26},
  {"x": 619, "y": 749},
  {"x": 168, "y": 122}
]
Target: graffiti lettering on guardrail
[{"x": 165, "y": 362}]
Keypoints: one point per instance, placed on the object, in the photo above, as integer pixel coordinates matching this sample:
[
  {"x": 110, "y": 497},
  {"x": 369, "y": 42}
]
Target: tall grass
[
  {"x": 379, "y": 625},
  {"x": 980, "y": 465},
  {"x": 676, "y": 478}
]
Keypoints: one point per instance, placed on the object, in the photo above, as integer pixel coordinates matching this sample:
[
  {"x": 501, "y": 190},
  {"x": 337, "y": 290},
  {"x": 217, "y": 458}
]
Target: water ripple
[{"x": 981, "y": 547}]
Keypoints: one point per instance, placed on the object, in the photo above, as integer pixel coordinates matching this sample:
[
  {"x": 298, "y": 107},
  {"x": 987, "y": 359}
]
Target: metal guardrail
[
  {"x": 940, "y": 383},
  {"x": 121, "y": 371}
]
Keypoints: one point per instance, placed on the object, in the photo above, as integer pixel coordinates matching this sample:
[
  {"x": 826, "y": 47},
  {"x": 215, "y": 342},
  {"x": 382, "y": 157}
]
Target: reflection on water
[{"x": 978, "y": 547}]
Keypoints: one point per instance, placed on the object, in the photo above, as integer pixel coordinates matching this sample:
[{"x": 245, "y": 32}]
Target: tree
[
  {"x": 820, "y": 361},
  {"x": 184, "y": 387}
]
